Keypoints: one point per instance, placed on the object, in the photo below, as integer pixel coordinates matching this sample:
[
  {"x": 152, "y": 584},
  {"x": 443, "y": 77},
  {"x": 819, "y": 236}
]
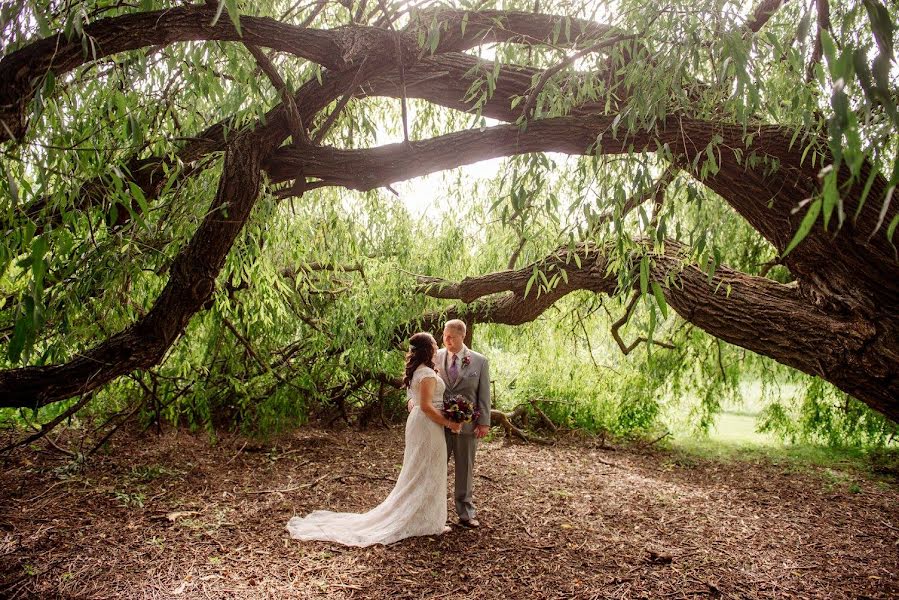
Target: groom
[{"x": 467, "y": 374}]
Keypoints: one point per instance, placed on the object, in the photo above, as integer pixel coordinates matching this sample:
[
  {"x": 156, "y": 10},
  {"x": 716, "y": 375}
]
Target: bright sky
[{"x": 427, "y": 196}]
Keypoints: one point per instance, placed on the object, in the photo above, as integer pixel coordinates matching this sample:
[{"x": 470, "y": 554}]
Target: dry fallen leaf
[{"x": 178, "y": 514}]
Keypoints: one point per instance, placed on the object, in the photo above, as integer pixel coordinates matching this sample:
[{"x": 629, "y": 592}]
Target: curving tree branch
[
  {"x": 191, "y": 284},
  {"x": 338, "y": 49},
  {"x": 748, "y": 311}
]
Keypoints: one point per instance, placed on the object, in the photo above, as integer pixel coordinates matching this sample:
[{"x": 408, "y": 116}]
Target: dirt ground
[{"x": 175, "y": 517}]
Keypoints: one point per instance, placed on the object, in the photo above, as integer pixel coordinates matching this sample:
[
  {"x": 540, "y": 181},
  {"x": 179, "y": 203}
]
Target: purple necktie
[{"x": 454, "y": 369}]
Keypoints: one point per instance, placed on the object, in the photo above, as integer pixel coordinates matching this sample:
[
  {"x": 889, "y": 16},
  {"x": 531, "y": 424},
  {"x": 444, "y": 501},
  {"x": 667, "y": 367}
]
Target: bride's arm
[{"x": 426, "y": 391}]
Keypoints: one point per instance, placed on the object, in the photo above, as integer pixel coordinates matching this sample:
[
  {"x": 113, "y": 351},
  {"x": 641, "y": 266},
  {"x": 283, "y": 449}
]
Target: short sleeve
[{"x": 423, "y": 372}]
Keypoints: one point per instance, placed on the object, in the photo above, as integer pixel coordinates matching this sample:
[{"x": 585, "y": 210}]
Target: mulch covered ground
[{"x": 175, "y": 517}]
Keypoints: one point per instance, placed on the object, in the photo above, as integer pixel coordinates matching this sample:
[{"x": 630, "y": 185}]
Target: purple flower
[{"x": 456, "y": 408}]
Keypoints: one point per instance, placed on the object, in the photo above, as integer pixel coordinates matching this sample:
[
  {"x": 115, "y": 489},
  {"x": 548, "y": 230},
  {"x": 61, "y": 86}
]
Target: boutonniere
[{"x": 466, "y": 360}]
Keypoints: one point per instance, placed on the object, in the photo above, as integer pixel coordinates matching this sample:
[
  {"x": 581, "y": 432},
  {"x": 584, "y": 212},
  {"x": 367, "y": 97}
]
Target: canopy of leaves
[{"x": 321, "y": 284}]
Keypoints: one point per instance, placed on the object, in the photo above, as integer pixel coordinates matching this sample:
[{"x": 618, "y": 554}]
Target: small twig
[
  {"x": 59, "y": 448},
  {"x": 609, "y": 464},
  {"x": 319, "y": 6},
  {"x": 116, "y": 428},
  {"x": 655, "y": 441},
  {"x": 524, "y": 525},
  {"x": 514, "y": 258},
  {"x": 370, "y": 477},
  {"x": 294, "y": 120},
  {"x": 822, "y": 8},
  {"x": 531, "y": 102},
  {"x": 721, "y": 360},
  {"x": 48, "y": 427},
  {"x": 44, "y": 493},
  {"x": 238, "y": 453},
  {"x": 397, "y": 40},
  {"x": 360, "y": 11},
  {"x": 547, "y": 548},
  {"x": 284, "y": 491},
  {"x": 617, "y": 325},
  {"x": 546, "y": 420},
  {"x": 320, "y": 134},
  {"x": 246, "y": 344}
]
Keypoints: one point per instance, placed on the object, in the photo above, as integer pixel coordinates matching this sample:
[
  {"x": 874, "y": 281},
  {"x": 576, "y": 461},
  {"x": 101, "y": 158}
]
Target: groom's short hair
[{"x": 458, "y": 325}]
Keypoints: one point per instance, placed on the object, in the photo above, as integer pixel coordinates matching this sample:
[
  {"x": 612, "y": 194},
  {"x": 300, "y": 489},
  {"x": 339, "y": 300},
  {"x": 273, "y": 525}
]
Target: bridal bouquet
[{"x": 459, "y": 410}]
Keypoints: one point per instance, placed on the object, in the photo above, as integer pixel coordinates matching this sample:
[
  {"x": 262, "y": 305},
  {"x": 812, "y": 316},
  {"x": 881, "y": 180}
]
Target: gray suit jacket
[{"x": 473, "y": 382}]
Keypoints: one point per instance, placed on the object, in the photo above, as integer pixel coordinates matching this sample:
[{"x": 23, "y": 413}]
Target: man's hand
[
  {"x": 410, "y": 405},
  {"x": 481, "y": 431}
]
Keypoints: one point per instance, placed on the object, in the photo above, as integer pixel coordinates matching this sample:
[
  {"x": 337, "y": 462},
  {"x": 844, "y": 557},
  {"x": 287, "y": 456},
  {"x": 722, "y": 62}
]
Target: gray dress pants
[{"x": 462, "y": 447}]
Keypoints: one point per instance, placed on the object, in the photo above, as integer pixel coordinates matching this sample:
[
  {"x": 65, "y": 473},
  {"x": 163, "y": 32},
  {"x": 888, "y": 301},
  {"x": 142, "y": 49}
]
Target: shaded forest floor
[{"x": 175, "y": 517}]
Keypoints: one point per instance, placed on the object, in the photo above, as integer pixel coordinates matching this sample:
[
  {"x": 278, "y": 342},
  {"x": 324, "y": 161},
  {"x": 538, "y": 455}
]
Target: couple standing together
[{"x": 417, "y": 504}]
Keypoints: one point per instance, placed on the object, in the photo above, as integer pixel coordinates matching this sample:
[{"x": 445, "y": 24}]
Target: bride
[{"x": 417, "y": 504}]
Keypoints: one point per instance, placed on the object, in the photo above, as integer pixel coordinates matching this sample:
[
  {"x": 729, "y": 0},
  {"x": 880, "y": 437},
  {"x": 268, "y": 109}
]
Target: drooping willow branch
[
  {"x": 622, "y": 321},
  {"x": 745, "y": 310}
]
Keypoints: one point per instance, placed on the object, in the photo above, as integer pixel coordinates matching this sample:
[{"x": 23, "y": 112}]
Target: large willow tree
[{"x": 733, "y": 164}]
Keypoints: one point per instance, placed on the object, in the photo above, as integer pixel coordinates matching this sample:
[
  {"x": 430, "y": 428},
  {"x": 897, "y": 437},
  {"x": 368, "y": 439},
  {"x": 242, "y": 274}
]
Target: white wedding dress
[{"x": 417, "y": 504}]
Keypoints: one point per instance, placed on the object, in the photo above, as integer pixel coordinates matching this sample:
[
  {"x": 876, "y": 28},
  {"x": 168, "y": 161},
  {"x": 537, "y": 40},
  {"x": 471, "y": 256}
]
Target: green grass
[
  {"x": 732, "y": 428},
  {"x": 776, "y": 453},
  {"x": 734, "y": 438}
]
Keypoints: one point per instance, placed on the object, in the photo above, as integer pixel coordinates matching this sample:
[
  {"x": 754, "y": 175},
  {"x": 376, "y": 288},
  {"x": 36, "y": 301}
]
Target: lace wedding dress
[{"x": 417, "y": 504}]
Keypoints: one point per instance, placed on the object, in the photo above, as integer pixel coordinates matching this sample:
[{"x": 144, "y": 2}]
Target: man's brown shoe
[{"x": 471, "y": 523}]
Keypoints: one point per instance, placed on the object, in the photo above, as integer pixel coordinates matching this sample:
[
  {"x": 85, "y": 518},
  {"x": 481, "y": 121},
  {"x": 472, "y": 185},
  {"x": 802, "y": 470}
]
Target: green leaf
[
  {"x": 881, "y": 25},
  {"x": 39, "y": 248},
  {"x": 557, "y": 29},
  {"x": 433, "y": 39},
  {"x": 218, "y": 13},
  {"x": 830, "y": 196},
  {"x": 545, "y": 281},
  {"x": 531, "y": 280},
  {"x": 138, "y": 194},
  {"x": 804, "y": 26},
  {"x": 712, "y": 159},
  {"x": 807, "y": 223},
  {"x": 119, "y": 100},
  {"x": 644, "y": 274},
  {"x": 17, "y": 343},
  {"x": 883, "y": 210},
  {"x": 42, "y": 24},
  {"x": 892, "y": 228},
  {"x": 660, "y": 299},
  {"x": 136, "y": 130},
  {"x": 13, "y": 188}
]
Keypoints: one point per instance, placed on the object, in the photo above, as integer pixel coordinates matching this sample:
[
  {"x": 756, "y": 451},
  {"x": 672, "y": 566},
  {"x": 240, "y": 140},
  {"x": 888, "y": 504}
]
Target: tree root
[{"x": 500, "y": 419}]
